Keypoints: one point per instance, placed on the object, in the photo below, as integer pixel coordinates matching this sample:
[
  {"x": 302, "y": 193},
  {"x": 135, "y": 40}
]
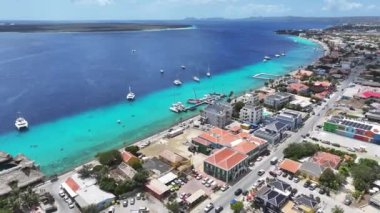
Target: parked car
[
  {"x": 260, "y": 181},
  {"x": 125, "y": 203},
  {"x": 335, "y": 144},
  {"x": 61, "y": 193},
  {"x": 284, "y": 174},
  {"x": 218, "y": 209},
  {"x": 296, "y": 180},
  {"x": 312, "y": 186},
  {"x": 290, "y": 177},
  {"x": 260, "y": 172},
  {"x": 224, "y": 188},
  {"x": 259, "y": 158},
  {"x": 347, "y": 201},
  {"x": 321, "y": 191},
  {"x": 326, "y": 142},
  {"x": 209, "y": 207},
  {"x": 199, "y": 177},
  {"x": 272, "y": 173},
  {"x": 306, "y": 184},
  {"x": 138, "y": 196},
  {"x": 71, "y": 206},
  {"x": 132, "y": 201},
  {"x": 245, "y": 193},
  {"x": 238, "y": 192}
]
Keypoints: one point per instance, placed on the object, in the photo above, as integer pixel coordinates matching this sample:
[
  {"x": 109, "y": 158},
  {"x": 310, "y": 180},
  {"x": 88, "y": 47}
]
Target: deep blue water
[{"x": 47, "y": 76}]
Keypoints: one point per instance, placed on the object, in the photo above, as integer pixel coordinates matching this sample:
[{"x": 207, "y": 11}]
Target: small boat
[
  {"x": 177, "y": 107},
  {"x": 177, "y": 82},
  {"x": 195, "y": 78},
  {"x": 130, "y": 95},
  {"x": 21, "y": 123},
  {"x": 183, "y": 67},
  {"x": 133, "y": 51},
  {"x": 283, "y": 54},
  {"x": 267, "y": 57},
  {"x": 265, "y": 60},
  {"x": 193, "y": 101},
  {"x": 162, "y": 71},
  {"x": 277, "y": 55}
]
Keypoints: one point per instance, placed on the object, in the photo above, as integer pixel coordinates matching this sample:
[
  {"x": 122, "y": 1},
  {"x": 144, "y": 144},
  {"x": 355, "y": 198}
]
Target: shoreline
[{"x": 156, "y": 136}]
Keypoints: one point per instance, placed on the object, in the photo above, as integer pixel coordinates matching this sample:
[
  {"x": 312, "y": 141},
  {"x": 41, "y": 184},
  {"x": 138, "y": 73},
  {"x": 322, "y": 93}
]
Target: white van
[{"x": 274, "y": 161}]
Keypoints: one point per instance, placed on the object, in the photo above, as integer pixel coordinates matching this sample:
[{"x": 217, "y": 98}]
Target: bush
[
  {"x": 109, "y": 158},
  {"x": 141, "y": 177},
  {"x": 297, "y": 151},
  {"x": 237, "y": 206},
  {"x": 137, "y": 165},
  {"x": 108, "y": 184},
  {"x": 133, "y": 149}
]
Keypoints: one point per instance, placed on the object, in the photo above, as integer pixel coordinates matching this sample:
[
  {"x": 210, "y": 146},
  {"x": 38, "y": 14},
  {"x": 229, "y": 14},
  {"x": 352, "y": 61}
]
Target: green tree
[
  {"x": 133, "y": 149},
  {"x": 329, "y": 179},
  {"x": 236, "y": 109},
  {"x": 85, "y": 171},
  {"x": 173, "y": 206},
  {"x": 90, "y": 209},
  {"x": 109, "y": 158},
  {"x": 297, "y": 151},
  {"x": 337, "y": 209},
  {"x": 141, "y": 177},
  {"x": 124, "y": 187},
  {"x": 137, "y": 165},
  {"x": 108, "y": 184},
  {"x": 237, "y": 207}
]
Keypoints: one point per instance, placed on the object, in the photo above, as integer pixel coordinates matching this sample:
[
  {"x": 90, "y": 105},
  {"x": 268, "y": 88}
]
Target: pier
[
  {"x": 209, "y": 99},
  {"x": 265, "y": 76}
]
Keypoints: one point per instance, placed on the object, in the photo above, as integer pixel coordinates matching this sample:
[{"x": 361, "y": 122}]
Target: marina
[{"x": 207, "y": 99}]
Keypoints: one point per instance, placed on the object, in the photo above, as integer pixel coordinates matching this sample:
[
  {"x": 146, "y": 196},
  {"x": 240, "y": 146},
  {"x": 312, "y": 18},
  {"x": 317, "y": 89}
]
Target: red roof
[
  {"x": 127, "y": 156},
  {"x": 226, "y": 158},
  {"x": 201, "y": 141},
  {"x": 244, "y": 147},
  {"x": 326, "y": 159},
  {"x": 290, "y": 165},
  {"x": 72, "y": 184},
  {"x": 219, "y": 136},
  {"x": 371, "y": 94},
  {"x": 297, "y": 87}
]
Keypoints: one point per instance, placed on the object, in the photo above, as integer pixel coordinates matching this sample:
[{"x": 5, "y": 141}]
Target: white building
[
  {"x": 251, "y": 113},
  {"x": 85, "y": 192}
]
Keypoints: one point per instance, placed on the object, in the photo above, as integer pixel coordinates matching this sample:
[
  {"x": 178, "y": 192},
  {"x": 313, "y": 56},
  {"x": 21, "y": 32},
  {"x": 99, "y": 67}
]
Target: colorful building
[{"x": 353, "y": 129}]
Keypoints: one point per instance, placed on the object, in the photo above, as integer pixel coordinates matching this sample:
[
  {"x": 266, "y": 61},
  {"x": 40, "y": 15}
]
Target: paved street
[{"x": 252, "y": 177}]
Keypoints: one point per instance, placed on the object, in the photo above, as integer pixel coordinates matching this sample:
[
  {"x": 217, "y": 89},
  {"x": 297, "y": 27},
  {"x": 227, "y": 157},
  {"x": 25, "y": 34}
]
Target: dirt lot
[{"x": 177, "y": 144}]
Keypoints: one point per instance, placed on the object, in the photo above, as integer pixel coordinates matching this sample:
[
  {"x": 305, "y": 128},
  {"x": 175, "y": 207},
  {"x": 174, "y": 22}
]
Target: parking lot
[{"x": 132, "y": 204}]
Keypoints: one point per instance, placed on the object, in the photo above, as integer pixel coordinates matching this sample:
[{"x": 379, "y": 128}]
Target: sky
[{"x": 179, "y": 9}]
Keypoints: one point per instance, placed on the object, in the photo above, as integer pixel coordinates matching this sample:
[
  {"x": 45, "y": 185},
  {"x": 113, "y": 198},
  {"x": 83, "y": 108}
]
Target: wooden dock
[{"x": 265, "y": 76}]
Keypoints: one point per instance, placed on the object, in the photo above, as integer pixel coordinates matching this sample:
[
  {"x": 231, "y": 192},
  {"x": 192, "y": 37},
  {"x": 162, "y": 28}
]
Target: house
[
  {"x": 171, "y": 158},
  {"x": 278, "y": 100},
  {"x": 305, "y": 203},
  {"x": 326, "y": 160},
  {"x": 247, "y": 148},
  {"x": 292, "y": 118},
  {"x": 270, "y": 200},
  {"x": 273, "y": 132},
  {"x": 85, "y": 192},
  {"x": 157, "y": 188},
  {"x": 226, "y": 164},
  {"x": 290, "y": 166},
  {"x": 298, "y": 88},
  {"x": 218, "y": 114},
  {"x": 126, "y": 170},
  {"x": 252, "y": 114},
  {"x": 301, "y": 105},
  {"x": 129, "y": 158},
  {"x": 17, "y": 171},
  {"x": 311, "y": 170},
  {"x": 280, "y": 186},
  {"x": 300, "y": 74},
  {"x": 320, "y": 86}
]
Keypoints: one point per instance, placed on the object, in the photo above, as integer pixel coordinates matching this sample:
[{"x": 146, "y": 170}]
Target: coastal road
[{"x": 252, "y": 176}]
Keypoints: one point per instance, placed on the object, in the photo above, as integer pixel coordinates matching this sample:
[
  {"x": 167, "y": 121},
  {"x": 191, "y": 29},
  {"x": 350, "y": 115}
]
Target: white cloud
[
  {"x": 253, "y": 9},
  {"x": 98, "y": 2},
  {"x": 341, "y": 5}
]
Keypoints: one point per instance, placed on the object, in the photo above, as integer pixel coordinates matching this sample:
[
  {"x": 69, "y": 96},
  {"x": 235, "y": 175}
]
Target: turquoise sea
[{"x": 63, "y": 143}]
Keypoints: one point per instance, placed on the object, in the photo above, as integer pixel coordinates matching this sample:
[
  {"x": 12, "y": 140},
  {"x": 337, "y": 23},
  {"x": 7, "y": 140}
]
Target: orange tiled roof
[
  {"x": 226, "y": 158},
  {"x": 297, "y": 87},
  {"x": 290, "y": 165},
  {"x": 127, "y": 156},
  {"x": 245, "y": 147},
  {"x": 326, "y": 159},
  {"x": 219, "y": 136},
  {"x": 72, "y": 184}
]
